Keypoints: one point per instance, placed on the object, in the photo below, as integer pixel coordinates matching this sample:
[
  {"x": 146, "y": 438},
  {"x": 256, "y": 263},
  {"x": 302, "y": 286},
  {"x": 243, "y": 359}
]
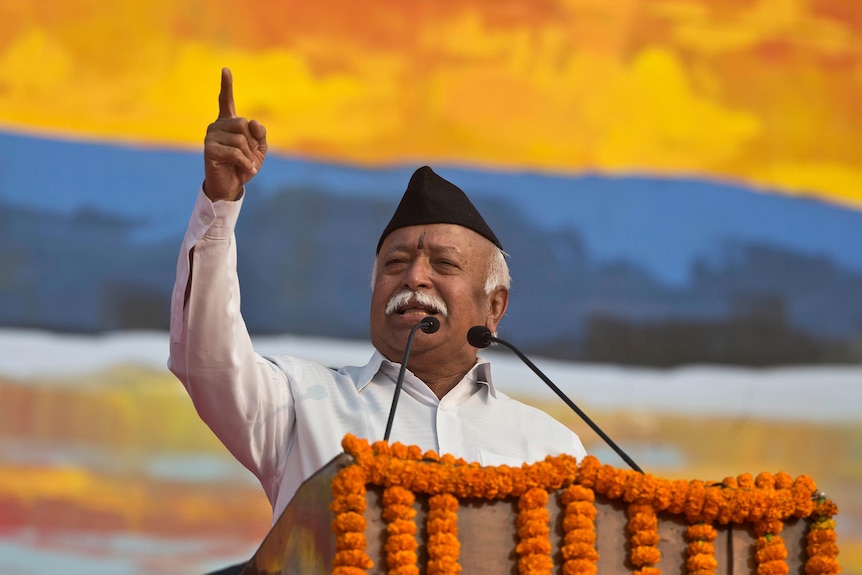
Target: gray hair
[{"x": 498, "y": 272}]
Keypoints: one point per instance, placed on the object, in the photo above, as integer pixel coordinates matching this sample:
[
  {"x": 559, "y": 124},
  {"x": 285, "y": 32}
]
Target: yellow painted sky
[{"x": 763, "y": 92}]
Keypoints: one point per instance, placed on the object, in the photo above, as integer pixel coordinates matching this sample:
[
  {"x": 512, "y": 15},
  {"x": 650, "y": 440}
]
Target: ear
[{"x": 498, "y": 302}]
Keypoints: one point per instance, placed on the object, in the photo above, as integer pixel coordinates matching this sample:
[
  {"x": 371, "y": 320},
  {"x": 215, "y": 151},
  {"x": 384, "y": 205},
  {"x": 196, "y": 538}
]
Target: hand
[{"x": 234, "y": 148}]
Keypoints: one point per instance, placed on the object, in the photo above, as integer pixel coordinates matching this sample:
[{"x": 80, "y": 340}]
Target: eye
[
  {"x": 394, "y": 262},
  {"x": 447, "y": 264}
]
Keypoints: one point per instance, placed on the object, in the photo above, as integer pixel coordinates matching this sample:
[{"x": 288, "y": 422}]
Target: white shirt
[{"x": 284, "y": 417}]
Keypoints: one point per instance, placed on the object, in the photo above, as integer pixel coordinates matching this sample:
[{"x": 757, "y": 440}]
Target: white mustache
[{"x": 402, "y": 298}]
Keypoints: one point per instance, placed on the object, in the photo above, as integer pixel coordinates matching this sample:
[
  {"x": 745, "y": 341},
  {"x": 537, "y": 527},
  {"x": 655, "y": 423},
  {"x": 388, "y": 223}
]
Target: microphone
[
  {"x": 429, "y": 324},
  {"x": 481, "y": 337}
]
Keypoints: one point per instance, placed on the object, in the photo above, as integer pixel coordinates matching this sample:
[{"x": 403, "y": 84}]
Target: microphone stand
[
  {"x": 429, "y": 324},
  {"x": 481, "y": 337}
]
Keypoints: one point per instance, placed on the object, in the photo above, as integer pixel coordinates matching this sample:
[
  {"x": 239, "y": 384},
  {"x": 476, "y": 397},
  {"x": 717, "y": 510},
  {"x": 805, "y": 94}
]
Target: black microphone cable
[
  {"x": 481, "y": 337},
  {"x": 429, "y": 324}
]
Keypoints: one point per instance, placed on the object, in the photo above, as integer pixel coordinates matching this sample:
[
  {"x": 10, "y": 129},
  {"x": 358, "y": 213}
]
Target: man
[{"x": 284, "y": 417}]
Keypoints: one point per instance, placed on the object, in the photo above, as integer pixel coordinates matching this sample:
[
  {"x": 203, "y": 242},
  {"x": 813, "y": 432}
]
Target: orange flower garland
[
  {"x": 579, "y": 525},
  {"x": 771, "y": 553},
  {"x": 442, "y": 526},
  {"x": 643, "y": 533},
  {"x": 348, "y": 505},
  {"x": 534, "y": 545},
  {"x": 821, "y": 540},
  {"x": 764, "y": 502},
  {"x": 401, "y": 542},
  {"x": 701, "y": 549}
]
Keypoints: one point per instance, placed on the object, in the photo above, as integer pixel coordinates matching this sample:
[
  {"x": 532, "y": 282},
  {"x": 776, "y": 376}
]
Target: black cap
[{"x": 430, "y": 199}]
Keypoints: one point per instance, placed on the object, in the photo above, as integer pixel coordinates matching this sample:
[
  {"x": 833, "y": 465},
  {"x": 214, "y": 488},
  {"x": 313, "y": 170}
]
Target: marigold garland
[
  {"x": 643, "y": 534},
  {"x": 700, "y": 551},
  {"x": 348, "y": 504},
  {"x": 579, "y": 525},
  {"x": 771, "y": 553},
  {"x": 821, "y": 540},
  {"x": 533, "y": 523},
  {"x": 764, "y": 501},
  {"x": 401, "y": 545},
  {"x": 443, "y": 544}
]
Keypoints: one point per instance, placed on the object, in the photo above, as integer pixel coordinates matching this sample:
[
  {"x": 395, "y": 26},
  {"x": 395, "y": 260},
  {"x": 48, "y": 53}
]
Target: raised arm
[{"x": 240, "y": 395}]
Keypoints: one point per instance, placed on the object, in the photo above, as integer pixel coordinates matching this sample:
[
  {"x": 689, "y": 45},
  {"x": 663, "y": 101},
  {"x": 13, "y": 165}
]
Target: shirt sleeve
[{"x": 241, "y": 396}]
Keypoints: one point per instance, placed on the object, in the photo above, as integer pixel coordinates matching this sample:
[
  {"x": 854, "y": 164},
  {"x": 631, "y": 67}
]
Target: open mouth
[
  {"x": 416, "y": 303},
  {"x": 413, "y": 308}
]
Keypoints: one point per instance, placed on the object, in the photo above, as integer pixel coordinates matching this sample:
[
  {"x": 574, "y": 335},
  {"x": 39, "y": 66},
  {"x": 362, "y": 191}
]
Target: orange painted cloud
[{"x": 761, "y": 92}]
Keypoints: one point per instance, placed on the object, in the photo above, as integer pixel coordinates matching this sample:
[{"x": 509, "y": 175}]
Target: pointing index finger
[{"x": 226, "y": 107}]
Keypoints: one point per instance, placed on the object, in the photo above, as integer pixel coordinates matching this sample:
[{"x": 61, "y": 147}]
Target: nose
[{"x": 418, "y": 274}]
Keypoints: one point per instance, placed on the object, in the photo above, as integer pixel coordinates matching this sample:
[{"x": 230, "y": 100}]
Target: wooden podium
[{"x": 389, "y": 509}]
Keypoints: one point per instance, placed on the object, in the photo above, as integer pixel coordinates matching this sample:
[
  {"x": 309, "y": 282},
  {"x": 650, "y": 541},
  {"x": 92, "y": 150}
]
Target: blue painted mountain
[{"x": 602, "y": 266}]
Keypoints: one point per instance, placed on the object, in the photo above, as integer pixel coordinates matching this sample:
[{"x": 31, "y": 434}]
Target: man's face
[{"x": 445, "y": 261}]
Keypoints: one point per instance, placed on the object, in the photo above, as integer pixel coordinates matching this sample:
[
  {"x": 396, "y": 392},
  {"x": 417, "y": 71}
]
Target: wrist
[{"x": 229, "y": 197}]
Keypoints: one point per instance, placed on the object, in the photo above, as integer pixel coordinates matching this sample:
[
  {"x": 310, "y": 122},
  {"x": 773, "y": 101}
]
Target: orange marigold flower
[
  {"x": 352, "y": 558},
  {"x": 730, "y": 482},
  {"x": 773, "y": 568},
  {"x": 663, "y": 494},
  {"x": 580, "y": 567},
  {"x": 679, "y": 493},
  {"x": 587, "y": 471},
  {"x": 533, "y": 498},
  {"x": 825, "y": 508},
  {"x": 350, "y": 541},
  {"x": 348, "y": 570},
  {"x": 701, "y": 532},
  {"x": 616, "y": 482},
  {"x": 822, "y": 566},
  {"x": 577, "y": 493},
  {"x": 771, "y": 550},
  {"x": 575, "y": 521},
  {"x": 745, "y": 481},
  {"x": 830, "y": 549},
  {"x": 397, "y": 495},
  {"x": 804, "y": 489},
  {"x": 645, "y": 537},
  {"x": 533, "y": 546},
  {"x": 705, "y": 562},
  {"x": 535, "y": 565},
  {"x": 348, "y": 521},
  {"x": 645, "y": 556},
  {"x": 764, "y": 480},
  {"x": 401, "y": 527},
  {"x": 694, "y": 500},
  {"x": 820, "y": 532},
  {"x": 579, "y": 551},
  {"x": 783, "y": 480},
  {"x": 640, "y": 487},
  {"x": 404, "y": 570}
]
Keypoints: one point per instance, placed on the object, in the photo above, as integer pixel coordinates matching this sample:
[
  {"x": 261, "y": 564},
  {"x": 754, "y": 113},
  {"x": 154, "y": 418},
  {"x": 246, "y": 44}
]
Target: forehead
[{"x": 451, "y": 237}]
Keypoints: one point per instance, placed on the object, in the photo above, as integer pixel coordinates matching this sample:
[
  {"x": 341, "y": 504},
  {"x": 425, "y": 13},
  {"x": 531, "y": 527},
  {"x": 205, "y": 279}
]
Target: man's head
[{"x": 436, "y": 256}]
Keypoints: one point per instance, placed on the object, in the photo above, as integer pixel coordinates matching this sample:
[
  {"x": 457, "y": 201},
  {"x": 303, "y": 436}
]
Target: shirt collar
[{"x": 479, "y": 373}]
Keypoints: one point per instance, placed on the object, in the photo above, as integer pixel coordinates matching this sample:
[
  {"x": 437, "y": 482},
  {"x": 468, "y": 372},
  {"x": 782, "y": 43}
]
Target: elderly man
[{"x": 284, "y": 417}]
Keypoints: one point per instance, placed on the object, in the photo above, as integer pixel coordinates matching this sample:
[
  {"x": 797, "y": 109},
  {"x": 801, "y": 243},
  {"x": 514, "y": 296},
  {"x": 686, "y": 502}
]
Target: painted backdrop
[{"x": 678, "y": 184}]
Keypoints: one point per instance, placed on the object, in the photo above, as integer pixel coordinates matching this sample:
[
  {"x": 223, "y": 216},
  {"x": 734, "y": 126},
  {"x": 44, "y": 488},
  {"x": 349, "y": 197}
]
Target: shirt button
[{"x": 443, "y": 407}]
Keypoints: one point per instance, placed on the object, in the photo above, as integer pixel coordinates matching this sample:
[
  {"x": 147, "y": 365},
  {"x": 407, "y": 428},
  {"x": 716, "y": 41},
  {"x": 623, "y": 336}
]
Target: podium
[{"x": 381, "y": 509}]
